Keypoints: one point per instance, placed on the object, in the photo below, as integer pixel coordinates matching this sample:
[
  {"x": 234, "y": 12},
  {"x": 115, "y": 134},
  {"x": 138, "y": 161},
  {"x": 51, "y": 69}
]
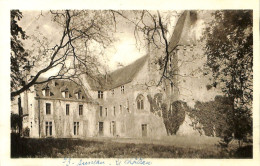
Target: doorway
[
  {"x": 113, "y": 127},
  {"x": 101, "y": 128},
  {"x": 144, "y": 130}
]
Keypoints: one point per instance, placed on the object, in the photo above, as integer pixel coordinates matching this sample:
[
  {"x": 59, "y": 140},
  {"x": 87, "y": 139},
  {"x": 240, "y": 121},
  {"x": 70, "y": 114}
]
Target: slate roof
[
  {"x": 58, "y": 86},
  {"x": 182, "y": 34},
  {"x": 118, "y": 77}
]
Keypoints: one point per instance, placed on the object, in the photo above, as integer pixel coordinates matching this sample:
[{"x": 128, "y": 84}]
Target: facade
[
  {"x": 58, "y": 109},
  {"x": 117, "y": 104}
]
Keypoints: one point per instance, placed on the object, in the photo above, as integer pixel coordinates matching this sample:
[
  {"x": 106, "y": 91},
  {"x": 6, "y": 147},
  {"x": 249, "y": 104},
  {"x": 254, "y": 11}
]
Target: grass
[{"x": 78, "y": 148}]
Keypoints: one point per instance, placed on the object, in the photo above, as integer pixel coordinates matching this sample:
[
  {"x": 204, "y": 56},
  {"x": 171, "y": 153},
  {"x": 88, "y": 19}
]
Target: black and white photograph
[{"x": 132, "y": 85}]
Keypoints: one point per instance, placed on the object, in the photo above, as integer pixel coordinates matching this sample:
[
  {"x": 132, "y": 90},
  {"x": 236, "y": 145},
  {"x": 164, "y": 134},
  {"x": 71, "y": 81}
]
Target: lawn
[{"x": 122, "y": 148}]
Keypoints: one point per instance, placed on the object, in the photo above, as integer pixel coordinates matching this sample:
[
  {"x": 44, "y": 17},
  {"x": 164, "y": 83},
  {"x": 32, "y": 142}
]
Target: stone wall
[{"x": 129, "y": 120}]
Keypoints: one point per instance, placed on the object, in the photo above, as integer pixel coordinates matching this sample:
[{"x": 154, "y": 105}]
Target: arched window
[{"x": 140, "y": 102}]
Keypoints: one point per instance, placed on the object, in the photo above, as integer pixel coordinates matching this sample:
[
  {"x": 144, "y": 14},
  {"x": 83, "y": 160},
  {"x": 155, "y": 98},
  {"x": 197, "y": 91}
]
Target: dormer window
[
  {"x": 65, "y": 93},
  {"x": 79, "y": 95},
  {"x": 46, "y": 91},
  {"x": 122, "y": 89},
  {"x": 100, "y": 94}
]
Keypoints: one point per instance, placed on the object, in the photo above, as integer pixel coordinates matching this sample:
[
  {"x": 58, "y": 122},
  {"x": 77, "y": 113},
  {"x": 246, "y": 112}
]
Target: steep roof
[
  {"x": 126, "y": 74},
  {"x": 56, "y": 88},
  {"x": 118, "y": 77},
  {"x": 182, "y": 34}
]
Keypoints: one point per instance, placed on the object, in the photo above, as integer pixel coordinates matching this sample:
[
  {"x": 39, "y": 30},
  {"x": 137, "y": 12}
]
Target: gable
[{"x": 182, "y": 34}]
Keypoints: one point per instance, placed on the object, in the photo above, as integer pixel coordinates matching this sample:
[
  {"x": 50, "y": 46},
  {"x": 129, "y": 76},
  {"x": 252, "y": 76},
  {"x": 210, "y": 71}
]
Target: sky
[{"x": 121, "y": 53}]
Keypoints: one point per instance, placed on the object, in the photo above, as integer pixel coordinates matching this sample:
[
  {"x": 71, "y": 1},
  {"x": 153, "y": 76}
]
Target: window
[
  {"x": 113, "y": 128},
  {"x": 100, "y": 111},
  {"x": 79, "y": 95},
  {"x": 122, "y": 89},
  {"x": 67, "y": 109},
  {"x": 127, "y": 105},
  {"x": 76, "y": 128},
  {"x": 170, "y": 63},
  {"x": 47, "y": 91},
  {"x": 140, "y": 102},
  {"x": 114, "y": 111},
  {"x": 120, "y": 107},
  {"x": 48, "y": 108},
  {"x": 66, "y": 93},
  {"x": 112, "y": 91},
  {"x": 106, "y": 111},
  {"x": 100, "y": 94},
  {"x": 80, "y": 109},
  {"x": 48, "y": 128},
  {"x": 172, "y": 87}
]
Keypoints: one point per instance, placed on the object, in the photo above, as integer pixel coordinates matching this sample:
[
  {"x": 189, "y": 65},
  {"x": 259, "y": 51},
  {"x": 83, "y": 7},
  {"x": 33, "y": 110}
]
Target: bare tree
[
  {"x": 153, "y": 27},
  {"x": 82, "y": 31}
]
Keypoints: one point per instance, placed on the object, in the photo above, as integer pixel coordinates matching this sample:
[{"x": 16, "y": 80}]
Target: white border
[{"x": 118, "y": 4}]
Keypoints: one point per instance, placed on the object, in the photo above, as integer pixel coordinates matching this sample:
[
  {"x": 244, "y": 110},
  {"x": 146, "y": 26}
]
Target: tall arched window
[{"x": 140, "y": 102}]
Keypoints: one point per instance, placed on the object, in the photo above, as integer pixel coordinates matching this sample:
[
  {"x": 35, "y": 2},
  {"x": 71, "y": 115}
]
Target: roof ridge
[
  {"x": 120, "y": 76},
  {"x": 147, "y": 55}
]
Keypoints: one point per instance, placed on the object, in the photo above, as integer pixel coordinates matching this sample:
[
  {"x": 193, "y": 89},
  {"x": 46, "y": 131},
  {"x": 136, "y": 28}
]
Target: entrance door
[
  {"x": 101, "y": 128},
  {"x": 113, "y": 128},
  {"x": 144, "y": 130}
]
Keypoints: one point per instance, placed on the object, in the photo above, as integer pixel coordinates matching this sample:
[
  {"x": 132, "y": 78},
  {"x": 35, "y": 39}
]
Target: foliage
[
  {"x": 174, "y": 117},
  {"x": 155, "y": 103},
  {"x": 26, "y": 132},
  {"x": 229, "y": 49},
  {"x": 16, "y": 121},
  {"x": 213, "y": 115},
  {"x": 19, "y": 56}
]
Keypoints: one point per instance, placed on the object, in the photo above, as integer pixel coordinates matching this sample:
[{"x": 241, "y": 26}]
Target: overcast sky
[{"x": 122, "y": 51}]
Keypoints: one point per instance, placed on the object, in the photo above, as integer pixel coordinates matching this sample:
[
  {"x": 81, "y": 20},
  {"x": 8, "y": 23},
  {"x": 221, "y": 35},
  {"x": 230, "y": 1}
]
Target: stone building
[
  {"x": 58, "y": 108},
  {"x": 117, "y": 104}
]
